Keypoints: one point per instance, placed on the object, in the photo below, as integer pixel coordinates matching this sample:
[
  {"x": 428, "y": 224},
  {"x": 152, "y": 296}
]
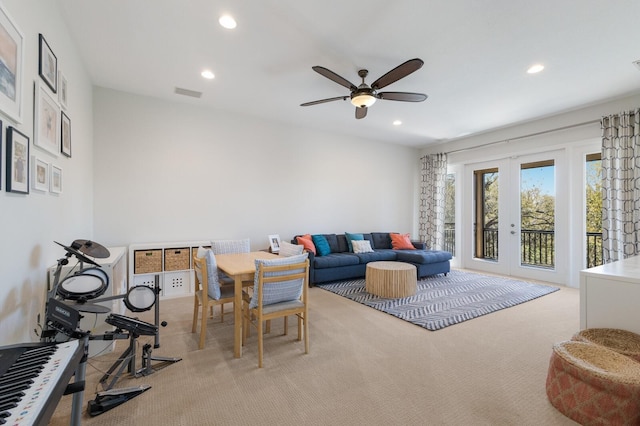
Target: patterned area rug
[{"x": 443, "y": 301}]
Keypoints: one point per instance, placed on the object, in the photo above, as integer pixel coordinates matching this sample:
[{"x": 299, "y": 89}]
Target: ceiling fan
[{"x": 363, "y": 96}]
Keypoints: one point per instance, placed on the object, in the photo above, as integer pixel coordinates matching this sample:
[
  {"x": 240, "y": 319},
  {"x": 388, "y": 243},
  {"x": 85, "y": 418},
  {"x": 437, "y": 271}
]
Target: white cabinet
[
  {"x": 610, "y": 294},
  {"x": 172, "y": 262},
  {"x": 115, "y": 267}
]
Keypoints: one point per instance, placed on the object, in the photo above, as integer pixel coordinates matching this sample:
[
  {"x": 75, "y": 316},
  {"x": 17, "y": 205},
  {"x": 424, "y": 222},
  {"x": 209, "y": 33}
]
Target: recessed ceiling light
[
  {"x": 397, "y": 122},
  {"x": 207, "y": 74},
  {"x": 227, "y": 21},
  {"x": 535, "y": 68}
]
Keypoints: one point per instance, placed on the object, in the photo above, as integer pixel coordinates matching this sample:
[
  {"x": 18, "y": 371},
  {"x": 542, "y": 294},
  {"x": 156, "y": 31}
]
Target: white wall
[
  {"x": 171, "y": 171},
  {"x": 30, "y": 223}
]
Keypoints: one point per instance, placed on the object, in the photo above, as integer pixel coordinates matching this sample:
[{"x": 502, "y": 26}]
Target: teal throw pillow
[
  {"x": 353, "y": 237},
  {"x": 322, "y": 245}
]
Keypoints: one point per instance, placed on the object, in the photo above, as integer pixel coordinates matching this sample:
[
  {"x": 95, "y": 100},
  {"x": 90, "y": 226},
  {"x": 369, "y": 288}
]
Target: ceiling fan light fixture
[
  {"x": 363, "y": 100},
  {"x": 227, "y": 22},
  {"x": 534, "y": 69}
]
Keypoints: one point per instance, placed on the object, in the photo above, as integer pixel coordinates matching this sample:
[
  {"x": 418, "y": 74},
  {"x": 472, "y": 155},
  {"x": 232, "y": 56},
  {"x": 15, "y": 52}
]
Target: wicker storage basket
[
  {"x": 621, "y": 341},
  {"x": 594, "y": 385},
  {"x": 176, "y": 259},
  {"x": 147, "y": 261}
]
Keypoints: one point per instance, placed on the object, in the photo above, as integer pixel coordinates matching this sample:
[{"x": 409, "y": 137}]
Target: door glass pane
[
  {"x": 450, "y": 214},
  {"x": 537, "y": 214},
  {"x": 593, "y": 212},
  {"x": 486, "y": 222}
]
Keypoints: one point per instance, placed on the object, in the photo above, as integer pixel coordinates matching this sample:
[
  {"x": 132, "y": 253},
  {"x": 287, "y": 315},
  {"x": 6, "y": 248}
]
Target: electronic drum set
[{"x": 81, "y": 291}]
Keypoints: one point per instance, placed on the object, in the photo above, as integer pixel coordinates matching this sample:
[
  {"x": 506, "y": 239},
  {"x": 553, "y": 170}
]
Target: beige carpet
[{"x": 364, "y": 368}]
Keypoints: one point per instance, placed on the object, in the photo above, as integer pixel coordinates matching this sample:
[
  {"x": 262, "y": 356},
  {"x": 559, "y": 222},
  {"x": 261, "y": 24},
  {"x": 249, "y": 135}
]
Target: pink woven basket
[
  {"x": 622, "y": 341},
  {"x": 594, "y": 385}
]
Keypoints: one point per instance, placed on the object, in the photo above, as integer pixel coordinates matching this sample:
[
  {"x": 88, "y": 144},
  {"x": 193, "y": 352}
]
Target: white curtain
[
  {"x": 432, "y": 199},
  {"x": 620, "y": 185}
]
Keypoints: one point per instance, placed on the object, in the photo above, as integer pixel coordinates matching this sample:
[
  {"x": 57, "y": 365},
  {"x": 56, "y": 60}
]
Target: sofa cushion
[
  {"x": 350, "y": 237},
  {"x": 333, "y": 260},
  {"x": 381, "y": 240},
  {"x": 343, "y": 246},
  {"x": 322, "y": 245},
  {"x": 422, "y": 256},
  {"x": 401, "y": 242},
  {"x": 332, "y": 239},
  {"x": 306, "y": 242},
  {"x": 376, "y": 256}
]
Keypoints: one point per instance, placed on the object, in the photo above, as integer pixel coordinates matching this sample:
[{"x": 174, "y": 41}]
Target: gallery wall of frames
[{"x": 32, "y": 165}]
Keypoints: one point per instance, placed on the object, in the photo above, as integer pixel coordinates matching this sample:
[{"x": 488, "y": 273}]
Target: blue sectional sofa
[{"x": 343, "y": 264}]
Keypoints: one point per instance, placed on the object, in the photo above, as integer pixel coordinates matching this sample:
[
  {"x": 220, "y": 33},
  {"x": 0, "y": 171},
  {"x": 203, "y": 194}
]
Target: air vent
[
  {"x": 186, "y": 92},
  {"x": 637, "y": 63}
]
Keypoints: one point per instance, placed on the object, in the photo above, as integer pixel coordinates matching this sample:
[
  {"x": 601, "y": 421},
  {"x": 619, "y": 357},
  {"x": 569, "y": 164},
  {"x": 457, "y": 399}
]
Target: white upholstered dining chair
[{"x": 231, "y": 246}]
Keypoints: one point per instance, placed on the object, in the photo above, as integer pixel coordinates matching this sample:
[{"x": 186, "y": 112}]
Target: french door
[{"x": 517, "y": 219}]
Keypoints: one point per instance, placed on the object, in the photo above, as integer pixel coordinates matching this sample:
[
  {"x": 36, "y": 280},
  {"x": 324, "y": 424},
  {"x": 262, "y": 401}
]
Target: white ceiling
[{"x": 476, "y": 54}]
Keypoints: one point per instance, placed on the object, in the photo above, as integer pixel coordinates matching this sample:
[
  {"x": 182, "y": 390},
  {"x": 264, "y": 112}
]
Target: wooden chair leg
[
  {"x": 222, "y": 312},
  {"x": 268, "y": 327},
  {"x": 203, "y": 327},
  {"x": 260, "y": 343},
  {"x": 299, "y": 326},
  {"x": 196, "y": 305},
  {"x": 245, "y": 326},
  {"x": 306, "y": 332},
  {"x": 286, "y": 326},
  {"x": 211, "y": 312}
]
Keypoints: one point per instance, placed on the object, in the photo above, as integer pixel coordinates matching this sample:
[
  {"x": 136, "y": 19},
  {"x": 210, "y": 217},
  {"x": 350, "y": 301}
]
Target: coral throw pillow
[
  {"x": 401, "y": 242},
  {"x": 307, "y": 243}
]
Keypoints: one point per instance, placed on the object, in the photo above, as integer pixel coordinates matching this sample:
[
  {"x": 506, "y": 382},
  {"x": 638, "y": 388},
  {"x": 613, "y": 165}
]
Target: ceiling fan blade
[
  {"x": 397, "y": 73},
  {"x": 334, "y": 77},
  {"x": 321, "y": 101},
  {"x": 402, "y": 96},
  {"x": 361, "y": 112}
]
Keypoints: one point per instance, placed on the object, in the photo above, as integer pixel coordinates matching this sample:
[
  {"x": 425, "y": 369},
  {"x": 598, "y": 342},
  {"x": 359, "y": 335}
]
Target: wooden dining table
[{"x": 241, "y": 267}]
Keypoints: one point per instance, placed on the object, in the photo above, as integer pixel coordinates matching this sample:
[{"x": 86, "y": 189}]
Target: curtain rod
[{"x": 525, "y": 136}]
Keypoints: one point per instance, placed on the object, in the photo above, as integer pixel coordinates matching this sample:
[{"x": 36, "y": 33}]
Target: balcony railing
[
  {"x": 594, "y": 249},
  {"x": 538, "y": 247}
]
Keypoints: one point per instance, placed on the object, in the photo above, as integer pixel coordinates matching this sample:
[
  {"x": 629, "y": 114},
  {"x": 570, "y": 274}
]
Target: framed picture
[
  {"x": 55, "y": 180},
  {"x": 48, "y": 68},
  {"x": 46, "y": 123},
  {"x": 17, "y": 162},
  {"x": 274, "y": 241},
  {"x": 40, "y": 176},
  {"x": 62, "y": 89},
  {"x": 11, "y": 56},
  {"x": 65, "y": 143}
]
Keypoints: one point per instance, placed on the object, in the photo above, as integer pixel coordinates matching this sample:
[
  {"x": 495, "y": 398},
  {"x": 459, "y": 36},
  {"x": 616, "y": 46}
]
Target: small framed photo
[
  {"x": 66, "y": 135},
  {"x": 55, "y": 180},
  {"x": 47, "y": 121},
  {"x": 17, "y": 162},
  {"x": 40, "y": 177},
  {"x": 48, "y": 68},
  {"x": 62, "y": 89},
  {"x": 11, "y": 56},
  {"x": 274, "y": 242}
]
